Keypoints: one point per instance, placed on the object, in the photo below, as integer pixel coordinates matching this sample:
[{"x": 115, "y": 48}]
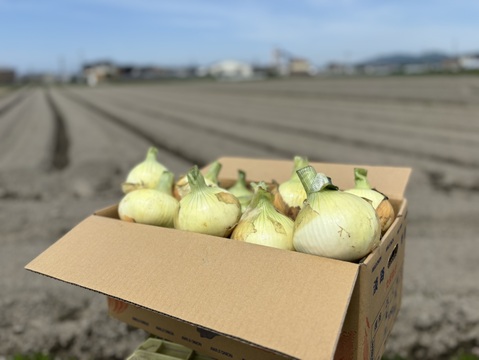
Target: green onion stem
[{"x": 361, "y": 179}]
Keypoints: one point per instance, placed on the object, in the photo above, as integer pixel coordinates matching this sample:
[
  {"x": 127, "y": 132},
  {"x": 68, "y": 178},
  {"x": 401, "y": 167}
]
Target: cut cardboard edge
[{"x": 55, "y": 264}]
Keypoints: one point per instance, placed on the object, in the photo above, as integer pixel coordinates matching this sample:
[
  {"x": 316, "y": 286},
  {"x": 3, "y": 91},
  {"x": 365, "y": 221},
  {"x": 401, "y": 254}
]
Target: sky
[{"x": 60, "y": 35}]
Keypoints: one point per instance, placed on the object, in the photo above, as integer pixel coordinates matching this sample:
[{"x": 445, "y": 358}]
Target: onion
[
  {"x": 207, "y": 210},
  {"x": 262, "y": 224},
  {"x": 334, "y": 223},
  {"x": 379, "y": 201},
  {"x": 290, "y": 195},
  {"x": 151, "y": 206},
  {"x": 145, "y": 174},
  {"x": 241, "y": 190},
  {"x": 182, "y": 187}
]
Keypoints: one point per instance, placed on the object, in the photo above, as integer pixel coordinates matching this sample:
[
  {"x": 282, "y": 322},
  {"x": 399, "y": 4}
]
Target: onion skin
[
  {"x": 290, "y": 194},
  {"x": 386, "y": 215},
  {"x": 182, "y": 187},
  {"x": 379, "y": 201},
  {"x": 382, "y": 205},
  {"x": 148, "y": 206},
  {"x": 207, "y": 210},
  {"x": 337, "y": 225},
  {"x": 333, "y": 223},
  {"x": 262, "y": 224},
  {"x": 145, "y": 174},
  {"x": 151, "y": 206}
]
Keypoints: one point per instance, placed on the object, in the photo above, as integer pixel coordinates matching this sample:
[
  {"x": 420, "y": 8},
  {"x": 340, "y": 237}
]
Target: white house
[
  {"x": 98, "y": 71},
  {"x": 469, "y": 62},
  {"x": 228, "y": 69}
]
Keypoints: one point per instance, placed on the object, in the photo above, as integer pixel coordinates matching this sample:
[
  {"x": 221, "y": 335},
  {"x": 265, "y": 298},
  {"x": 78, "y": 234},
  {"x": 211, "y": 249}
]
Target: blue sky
[{"x": 39, "y": 35}]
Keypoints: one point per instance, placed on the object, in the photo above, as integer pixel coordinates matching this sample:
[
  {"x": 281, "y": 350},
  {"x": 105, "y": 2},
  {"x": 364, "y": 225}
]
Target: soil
[{"x": 65, "y": 151}]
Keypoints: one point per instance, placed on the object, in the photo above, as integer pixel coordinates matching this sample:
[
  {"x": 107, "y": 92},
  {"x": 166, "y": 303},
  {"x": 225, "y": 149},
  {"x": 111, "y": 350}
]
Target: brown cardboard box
[{"x": 233, "y": 300}]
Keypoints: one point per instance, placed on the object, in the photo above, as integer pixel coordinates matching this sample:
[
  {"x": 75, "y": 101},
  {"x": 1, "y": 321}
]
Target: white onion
[
  {"x": 262, "y": 224},
  {"x": 145, "y": 174},
  {"x": 207, "y": 210},
  {"x": 150, "y": 206},
  {"x": 333, "y": 223}
]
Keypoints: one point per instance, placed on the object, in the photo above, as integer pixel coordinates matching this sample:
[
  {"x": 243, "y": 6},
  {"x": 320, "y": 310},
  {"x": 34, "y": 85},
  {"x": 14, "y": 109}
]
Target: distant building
[
  {"x": 451, "y": 65},
  {"x": 7, "y": 76},
  {"x": 298, "y": 66},
  {"x": 139, "y": 72},
  {"x": 287, "y": 64},
  {"x": 152, "y": 72},
  {"x": 228, "y": 69},
  {"x": 262, "y": 71},
  {"x": 98, "y": 71},
  {"x": 469, "y": 62},
  {"x": 337, "y": 68},
  {"x": 412, "y": 69}
]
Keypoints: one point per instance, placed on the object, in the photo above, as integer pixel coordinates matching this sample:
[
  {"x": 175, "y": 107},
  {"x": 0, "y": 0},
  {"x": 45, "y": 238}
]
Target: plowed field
[{"x": 64, "y": 152}]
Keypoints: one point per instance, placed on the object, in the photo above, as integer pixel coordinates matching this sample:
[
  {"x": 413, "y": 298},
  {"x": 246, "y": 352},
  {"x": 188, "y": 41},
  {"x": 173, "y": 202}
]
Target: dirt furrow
[
  {"x": 101, "y": 153},
  {"x": 425, "y": 118},
  {"x": 437, "y": 91},
  {"x": 10, "y": 101},
  {"x": 186, "y": 121},
  {"x": 182, "y": 137},
  {"x": 60, "y": 157},
  {"x": 440, "y": 150},
  {"x": 425, "y": 121},
  {"x": 26, "y": 134},
  {"x": 120, "y": 121}
]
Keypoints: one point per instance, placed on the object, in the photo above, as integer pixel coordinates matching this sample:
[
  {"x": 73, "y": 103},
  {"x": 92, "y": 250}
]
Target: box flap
[
  {"x": 391, "y": 181},
  {"x": 291, "y": 302}
]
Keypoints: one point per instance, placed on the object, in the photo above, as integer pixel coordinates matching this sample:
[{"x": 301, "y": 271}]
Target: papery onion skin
[
  {"x": 148, "y": 206},
  {"x": 329, "y": 230},
  {"x": 379, "y": 201},
  {"x": 386, "y": 215},
  {"x": 207, "y": 210},
  {"x": 145, "y": 174},
  {"x": 290, "y": 194},
  {"x": 182, "y": 187},
  {"x": 262, "y": 224},
  {"x": 335, "y": 224}
]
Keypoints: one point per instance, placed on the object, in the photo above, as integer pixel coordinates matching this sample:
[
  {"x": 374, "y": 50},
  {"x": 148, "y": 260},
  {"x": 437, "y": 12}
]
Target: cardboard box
[{"x": 233, "y": 300}]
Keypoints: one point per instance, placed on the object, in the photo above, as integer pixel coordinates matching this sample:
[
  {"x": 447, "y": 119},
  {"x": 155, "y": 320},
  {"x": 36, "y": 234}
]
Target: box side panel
[
  {"x": 380, "y": 287},
  {"x": 203, "y": 340},
  {"x": 347, "y": 348}
]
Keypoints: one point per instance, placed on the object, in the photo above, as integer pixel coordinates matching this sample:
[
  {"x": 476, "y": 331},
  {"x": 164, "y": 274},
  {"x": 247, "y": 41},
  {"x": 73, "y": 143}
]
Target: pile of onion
[{"x": 306, "y": 213}]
